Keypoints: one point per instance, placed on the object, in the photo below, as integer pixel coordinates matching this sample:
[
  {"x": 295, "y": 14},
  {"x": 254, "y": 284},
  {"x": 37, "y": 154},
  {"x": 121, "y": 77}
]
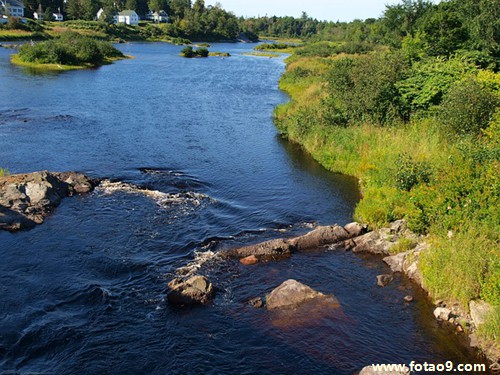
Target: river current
[{"x": 84, "y": 292}]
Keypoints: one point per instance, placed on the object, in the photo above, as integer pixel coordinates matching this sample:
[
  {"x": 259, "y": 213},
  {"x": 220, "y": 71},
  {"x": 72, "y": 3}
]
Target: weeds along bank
[{"x": 423, "y": 137}]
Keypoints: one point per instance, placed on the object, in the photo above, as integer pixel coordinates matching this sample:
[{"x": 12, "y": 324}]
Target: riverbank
[{"x": 445, "y": 186}]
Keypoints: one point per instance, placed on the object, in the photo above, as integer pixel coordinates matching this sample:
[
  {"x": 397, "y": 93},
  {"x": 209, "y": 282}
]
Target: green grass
[
  {"x": 419, "y": 171},
  {"x": 219, "y": 54},
  {"x": 4, "y": 172},
  {"x": 262, "y": 54}
]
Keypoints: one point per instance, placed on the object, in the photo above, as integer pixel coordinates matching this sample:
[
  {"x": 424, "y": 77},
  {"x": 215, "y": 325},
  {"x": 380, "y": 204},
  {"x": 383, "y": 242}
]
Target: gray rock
[
  {"x": 408, "y": 298},
  {"x": 355, "y": 229},
  {"x": 442, "y": 313},
  {"x": 376, "y": 242},
  {"x": 368, "y": 370},
  {"x": 407, "y": 263},
  {"x": 384, "y": 280},
  {"x": 291, "y": 293},
  {"x": 195, "y": 290},
  {"x": 479, "y": 311},
  {"x": 280, "y": 247},
  {"x": 35, "y": 195}
]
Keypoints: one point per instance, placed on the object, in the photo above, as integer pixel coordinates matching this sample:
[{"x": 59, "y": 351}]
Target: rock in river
[
  {"x": 27, "y": 199},
  {"x": 291, "y": 294},
  {"x": 195, "y": 290}
]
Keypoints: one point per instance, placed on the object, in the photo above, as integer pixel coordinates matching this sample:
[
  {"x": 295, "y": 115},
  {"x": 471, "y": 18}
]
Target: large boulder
[
  {"x": 273, "y": 248},
  {"x": 195, "y": 290},
  {"x": 407, "y": 263},
  {"x": 34, "y": 196},
  {"x": 320, "y": 236},
  {"x": 381, "y": 240},
  {"x": 291, "y": 293},
  {"x": 282, "y": 247}
]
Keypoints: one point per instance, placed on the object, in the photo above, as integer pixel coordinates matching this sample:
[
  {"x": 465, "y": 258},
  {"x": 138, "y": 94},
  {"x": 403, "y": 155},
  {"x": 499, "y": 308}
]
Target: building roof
[
  {"x": 14, "y": 3},
  {"x": 127, "y": 13}
]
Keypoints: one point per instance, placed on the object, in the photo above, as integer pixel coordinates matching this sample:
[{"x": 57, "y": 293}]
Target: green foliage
[
  {"x": 427, "y": 81},
  {"x": 4, "y": 172},
  {"x": 70, "y": 49},
  {"x": 363, "y": 88},
  {"x": 456, "y": 267},
  {"x": 468, "y": 106},
  {"x": 189, "y": 52},
  {"x": 410, "y": 173},
  {"x": 404, "y": 244}
]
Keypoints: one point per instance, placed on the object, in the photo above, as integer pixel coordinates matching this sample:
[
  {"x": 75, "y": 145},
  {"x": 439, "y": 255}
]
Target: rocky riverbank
[
  {"x": 399, "y": 248},
  {"x": 27, "y": 199}
]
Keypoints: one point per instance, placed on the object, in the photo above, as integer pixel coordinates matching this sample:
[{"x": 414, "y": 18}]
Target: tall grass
[
  {"x": 3, "y": 172},
  {"x": 418, "y": 170}
]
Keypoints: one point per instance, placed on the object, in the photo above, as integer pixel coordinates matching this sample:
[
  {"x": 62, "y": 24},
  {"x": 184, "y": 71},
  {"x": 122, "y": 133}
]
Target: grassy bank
[{"x": 424, "y": 140}]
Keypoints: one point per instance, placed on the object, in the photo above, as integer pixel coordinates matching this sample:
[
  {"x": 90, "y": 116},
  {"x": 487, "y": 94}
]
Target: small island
[{"x": 67, "y": 52}]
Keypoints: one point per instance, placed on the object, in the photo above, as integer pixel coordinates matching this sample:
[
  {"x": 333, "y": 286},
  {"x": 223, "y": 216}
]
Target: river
[{"x": 84, "y": 292}]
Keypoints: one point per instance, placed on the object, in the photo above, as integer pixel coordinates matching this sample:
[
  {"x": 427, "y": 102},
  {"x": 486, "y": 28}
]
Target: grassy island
[{"x": 67, "y": 52}]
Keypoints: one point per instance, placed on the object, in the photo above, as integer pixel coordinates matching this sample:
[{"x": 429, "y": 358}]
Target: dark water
[{"x": 83, "y": 293}]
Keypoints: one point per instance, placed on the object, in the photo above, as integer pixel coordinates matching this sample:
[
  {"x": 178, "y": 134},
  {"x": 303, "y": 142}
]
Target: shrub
[
  {"x": 410, "y": 173},
  {"x": 468, "y": 107},
  {"x": 187, "y": 52}
]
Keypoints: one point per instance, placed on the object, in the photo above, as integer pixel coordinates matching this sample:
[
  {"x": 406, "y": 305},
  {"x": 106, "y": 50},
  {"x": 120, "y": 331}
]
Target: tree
[
  {"x": 48, "y": 15},
  {"x": 131, "y": 4}
]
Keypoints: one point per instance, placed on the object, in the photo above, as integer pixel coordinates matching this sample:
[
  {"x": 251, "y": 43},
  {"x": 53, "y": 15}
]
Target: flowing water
[{"x": 193, "y": 164}]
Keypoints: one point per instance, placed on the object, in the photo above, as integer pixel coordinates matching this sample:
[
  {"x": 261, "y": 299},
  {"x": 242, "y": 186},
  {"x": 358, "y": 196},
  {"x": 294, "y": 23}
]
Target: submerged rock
[
  {"x": 384, "y": 280},
  {"x": 195, "y": 290},
  {"x": 27, "y": 199},
  {"x": 291, "y": 293},
  {"x": 256, "y": 302},
  {"x": 249, "y": 260}
]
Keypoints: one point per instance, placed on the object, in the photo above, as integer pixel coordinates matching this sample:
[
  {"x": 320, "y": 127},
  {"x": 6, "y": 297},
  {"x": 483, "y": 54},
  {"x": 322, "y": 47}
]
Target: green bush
[
  {"x": 410, "y": 173},
  {"x": 69, "y": 49},
  {"x": 187, "y": 52},
  {"x": 468, "y": 107}
]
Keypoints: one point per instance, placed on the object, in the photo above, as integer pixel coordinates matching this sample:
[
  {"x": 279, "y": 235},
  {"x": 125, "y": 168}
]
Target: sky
[{"x": 331, "y": 10}]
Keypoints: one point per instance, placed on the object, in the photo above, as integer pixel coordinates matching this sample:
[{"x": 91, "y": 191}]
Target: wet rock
[
  {"x": 408, "y": 299},
  {"x": 384, "y": 280},
  {"x": 291, "y": 293},
  {"x": 368, "y": 370},
  {"x": 277, "y": 247},
  {"x": 280, "y": 247},
  {"x": 26, "y": 199},
  {"x": 195, "y": 290},
  {"x": 256, "y": 302},
  {"x": 320, "y": 236},
  {"x": 249, "y": 260},
  {"x": 479, "y": 311},
  {"x": 442, "y": 313}
]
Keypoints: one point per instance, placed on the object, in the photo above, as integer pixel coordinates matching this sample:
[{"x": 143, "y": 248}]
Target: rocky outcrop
[
  {"x": 193, "y": 291},
  {"x": 442, "y": 313},
  {"x": 369, "y": 370},
  {"x": 407, "y": 263},
  {"x": 280, "y": 247},
  {"x": 380, "y": 241},
  {"x": 291, "y": 293},
  {"x": 27, "y": 199}
]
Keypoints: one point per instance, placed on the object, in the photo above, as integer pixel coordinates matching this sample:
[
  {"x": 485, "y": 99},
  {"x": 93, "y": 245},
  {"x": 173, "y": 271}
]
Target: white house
[
  {"x": 13, "y": 8},
  {"x": 38, "y": 16},
  {"x": 58, "y": 17},
  {"x": 129, "y": 17},
  {"x": 158, "y": 17}
]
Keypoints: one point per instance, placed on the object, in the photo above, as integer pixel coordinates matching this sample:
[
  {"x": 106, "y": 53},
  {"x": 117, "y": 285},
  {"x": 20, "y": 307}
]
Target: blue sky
[{"x": 331, "y": 10}]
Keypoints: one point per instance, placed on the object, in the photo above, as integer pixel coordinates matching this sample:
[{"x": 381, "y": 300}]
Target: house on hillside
[
  {"x": 129, "y": 17},
  {"x": 14, "y": 8},
  {"x": 158, "y": 17},
  {"x": 58, "y": 16}
]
